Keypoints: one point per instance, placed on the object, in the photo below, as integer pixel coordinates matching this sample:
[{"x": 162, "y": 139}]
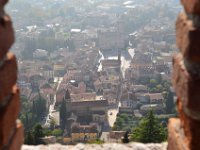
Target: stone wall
[
  {"x": 11, "y": 130},
  {"x": 109, "y": 146},
  {"x": 184, "y": 132}
]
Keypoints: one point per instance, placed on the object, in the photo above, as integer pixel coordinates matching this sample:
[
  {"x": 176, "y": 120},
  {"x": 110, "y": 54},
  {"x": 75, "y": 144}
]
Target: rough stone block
[
  {"x": 18, "y": 138},
  {"x": 186, "y": 86},
  {"x": 8, "y": 76},
  {"x": 187, "y": 38},
  {"x": 6, "y": 35},
  {"x": 8, "y": 116},
  {"x": 191, "y": 6},
  {"x": 176, "y": 137},
  {"x": 190, "y": 126}
]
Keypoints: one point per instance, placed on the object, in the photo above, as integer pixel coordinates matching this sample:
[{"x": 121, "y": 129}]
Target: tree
[
  {"x": 29, "y": 139},
  {"x": 39, "y": 107},
  {"x": 152, "y": 83},
  {"x": 38, "y": 134},
  {"x": 57, "y": 132},
  {"x": 170, "y": 103},
  {"x": 118, "y": 125},
  {"x": 125, "y": 138},
  {"x": 149, "y": 130},
  {"x": 70, "y": 45},
  {"x": 29, "y": 48},
  {"x": 63, "y": 114},
  {"x": 67, "y": 95},
  {"x": 52, "y": 124}
]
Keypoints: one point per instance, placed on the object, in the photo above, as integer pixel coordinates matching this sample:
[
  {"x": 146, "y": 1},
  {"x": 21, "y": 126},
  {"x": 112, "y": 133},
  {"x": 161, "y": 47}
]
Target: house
[
  {"x": 83, "y": 96},
  {"x": 110, "y": 40},
  {"x": 77, "y": 37},
  {"x": 47, "y": 72},
  {"x": 156, "y": 98},
  {"x": 83, "y": 133},
  {"x": 117, "y": 134},
  {"x": 157, "y": 108},
  {"x": 83, "y": 107},
  {"x": 60, "y": 95},
  {"x": 126, "y": 110},
  {"x": 99, "y": 117},
  {"x": 59, "y": 69},
  {"x": 139, "y": 88},
  {"x": 36, "y": 81},
  {"x": 74, "y": 74},
  {"x": 142, "y": 98},
  {"x": 40, "y": 53},
  {"x": 128, "y": 100}
]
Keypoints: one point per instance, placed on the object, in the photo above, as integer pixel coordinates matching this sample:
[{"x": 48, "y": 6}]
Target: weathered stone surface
[
  {"x": 190, "y": 126},
  {"x": 109, "y": 146},
  {"x": 8, "y": 116},
  {"x": 6, "y": 35},
  {"x": 191, "y": 6},
  {"x": 18, "y": 138},
  {"x": 176, "y": 137},
  {"x": 8, "y": 74},
  {"x": 186, "y": 86},
  {"x": 188, "y": 38}
]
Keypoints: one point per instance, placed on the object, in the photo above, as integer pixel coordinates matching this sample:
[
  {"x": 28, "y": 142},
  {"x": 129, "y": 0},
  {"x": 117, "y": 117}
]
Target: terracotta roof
[
  {"x": 156, "y": 96},
  {"x": 83, "y": 96},
  {"x": 95, "y": 103}
]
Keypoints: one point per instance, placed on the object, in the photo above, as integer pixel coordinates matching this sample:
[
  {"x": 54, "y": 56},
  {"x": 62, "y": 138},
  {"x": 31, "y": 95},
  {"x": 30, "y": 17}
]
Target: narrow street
[
  {"x": 126, "y": 57},
  {"x": 51, "y": 107}
]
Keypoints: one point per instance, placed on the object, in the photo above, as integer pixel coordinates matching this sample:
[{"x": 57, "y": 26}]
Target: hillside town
[{"x": 88, "y": 66}]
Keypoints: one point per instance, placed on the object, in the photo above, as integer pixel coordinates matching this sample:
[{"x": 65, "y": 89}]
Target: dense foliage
[
  {"x": 124, "y": 122},
  {"x": 150, "y": 130},
  {"x": 34, "y": 137},
  {"x": 63, "y": 114}
]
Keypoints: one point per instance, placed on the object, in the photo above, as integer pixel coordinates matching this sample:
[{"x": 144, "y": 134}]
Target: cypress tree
[
  {"x": 29, "y": 139},
  {"x": 170, "y": 103},
  {"x": 63, "y": 114},
  {"x": 38, "y": 134},
  {"x": 67, "y": 95},
  {"x": 149, "y": 130}
]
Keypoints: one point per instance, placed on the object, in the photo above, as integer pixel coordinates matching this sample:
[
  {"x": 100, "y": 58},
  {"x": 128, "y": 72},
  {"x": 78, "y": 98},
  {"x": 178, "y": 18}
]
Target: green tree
[
  {"x": 57, "y": 132},
  {"x": 63, "y": 114},
  {"x": 149, "y": 130},
  {"x": 52, "y": 124},
  {"x": 70, "y": 45},
  {"x": 29, "y": 48},
  {"x": 29, "y": 139},
  {"x": 38, "y": 134},
  {"x": 39, "y": 107},
  {"x": 152, "y": 83},
  {"x": 67, "y": 95},
  {"x": 170, "y": 103}
]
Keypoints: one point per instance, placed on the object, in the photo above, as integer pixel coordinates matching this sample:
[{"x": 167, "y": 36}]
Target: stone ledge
[{"x": 108, "y": 146}]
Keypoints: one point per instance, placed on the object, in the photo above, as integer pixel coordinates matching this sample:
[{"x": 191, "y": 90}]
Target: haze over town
[{"x": 91, "y": 70}]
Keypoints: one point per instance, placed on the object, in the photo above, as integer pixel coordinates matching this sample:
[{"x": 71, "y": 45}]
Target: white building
[{"x": 40, "y": 53}]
